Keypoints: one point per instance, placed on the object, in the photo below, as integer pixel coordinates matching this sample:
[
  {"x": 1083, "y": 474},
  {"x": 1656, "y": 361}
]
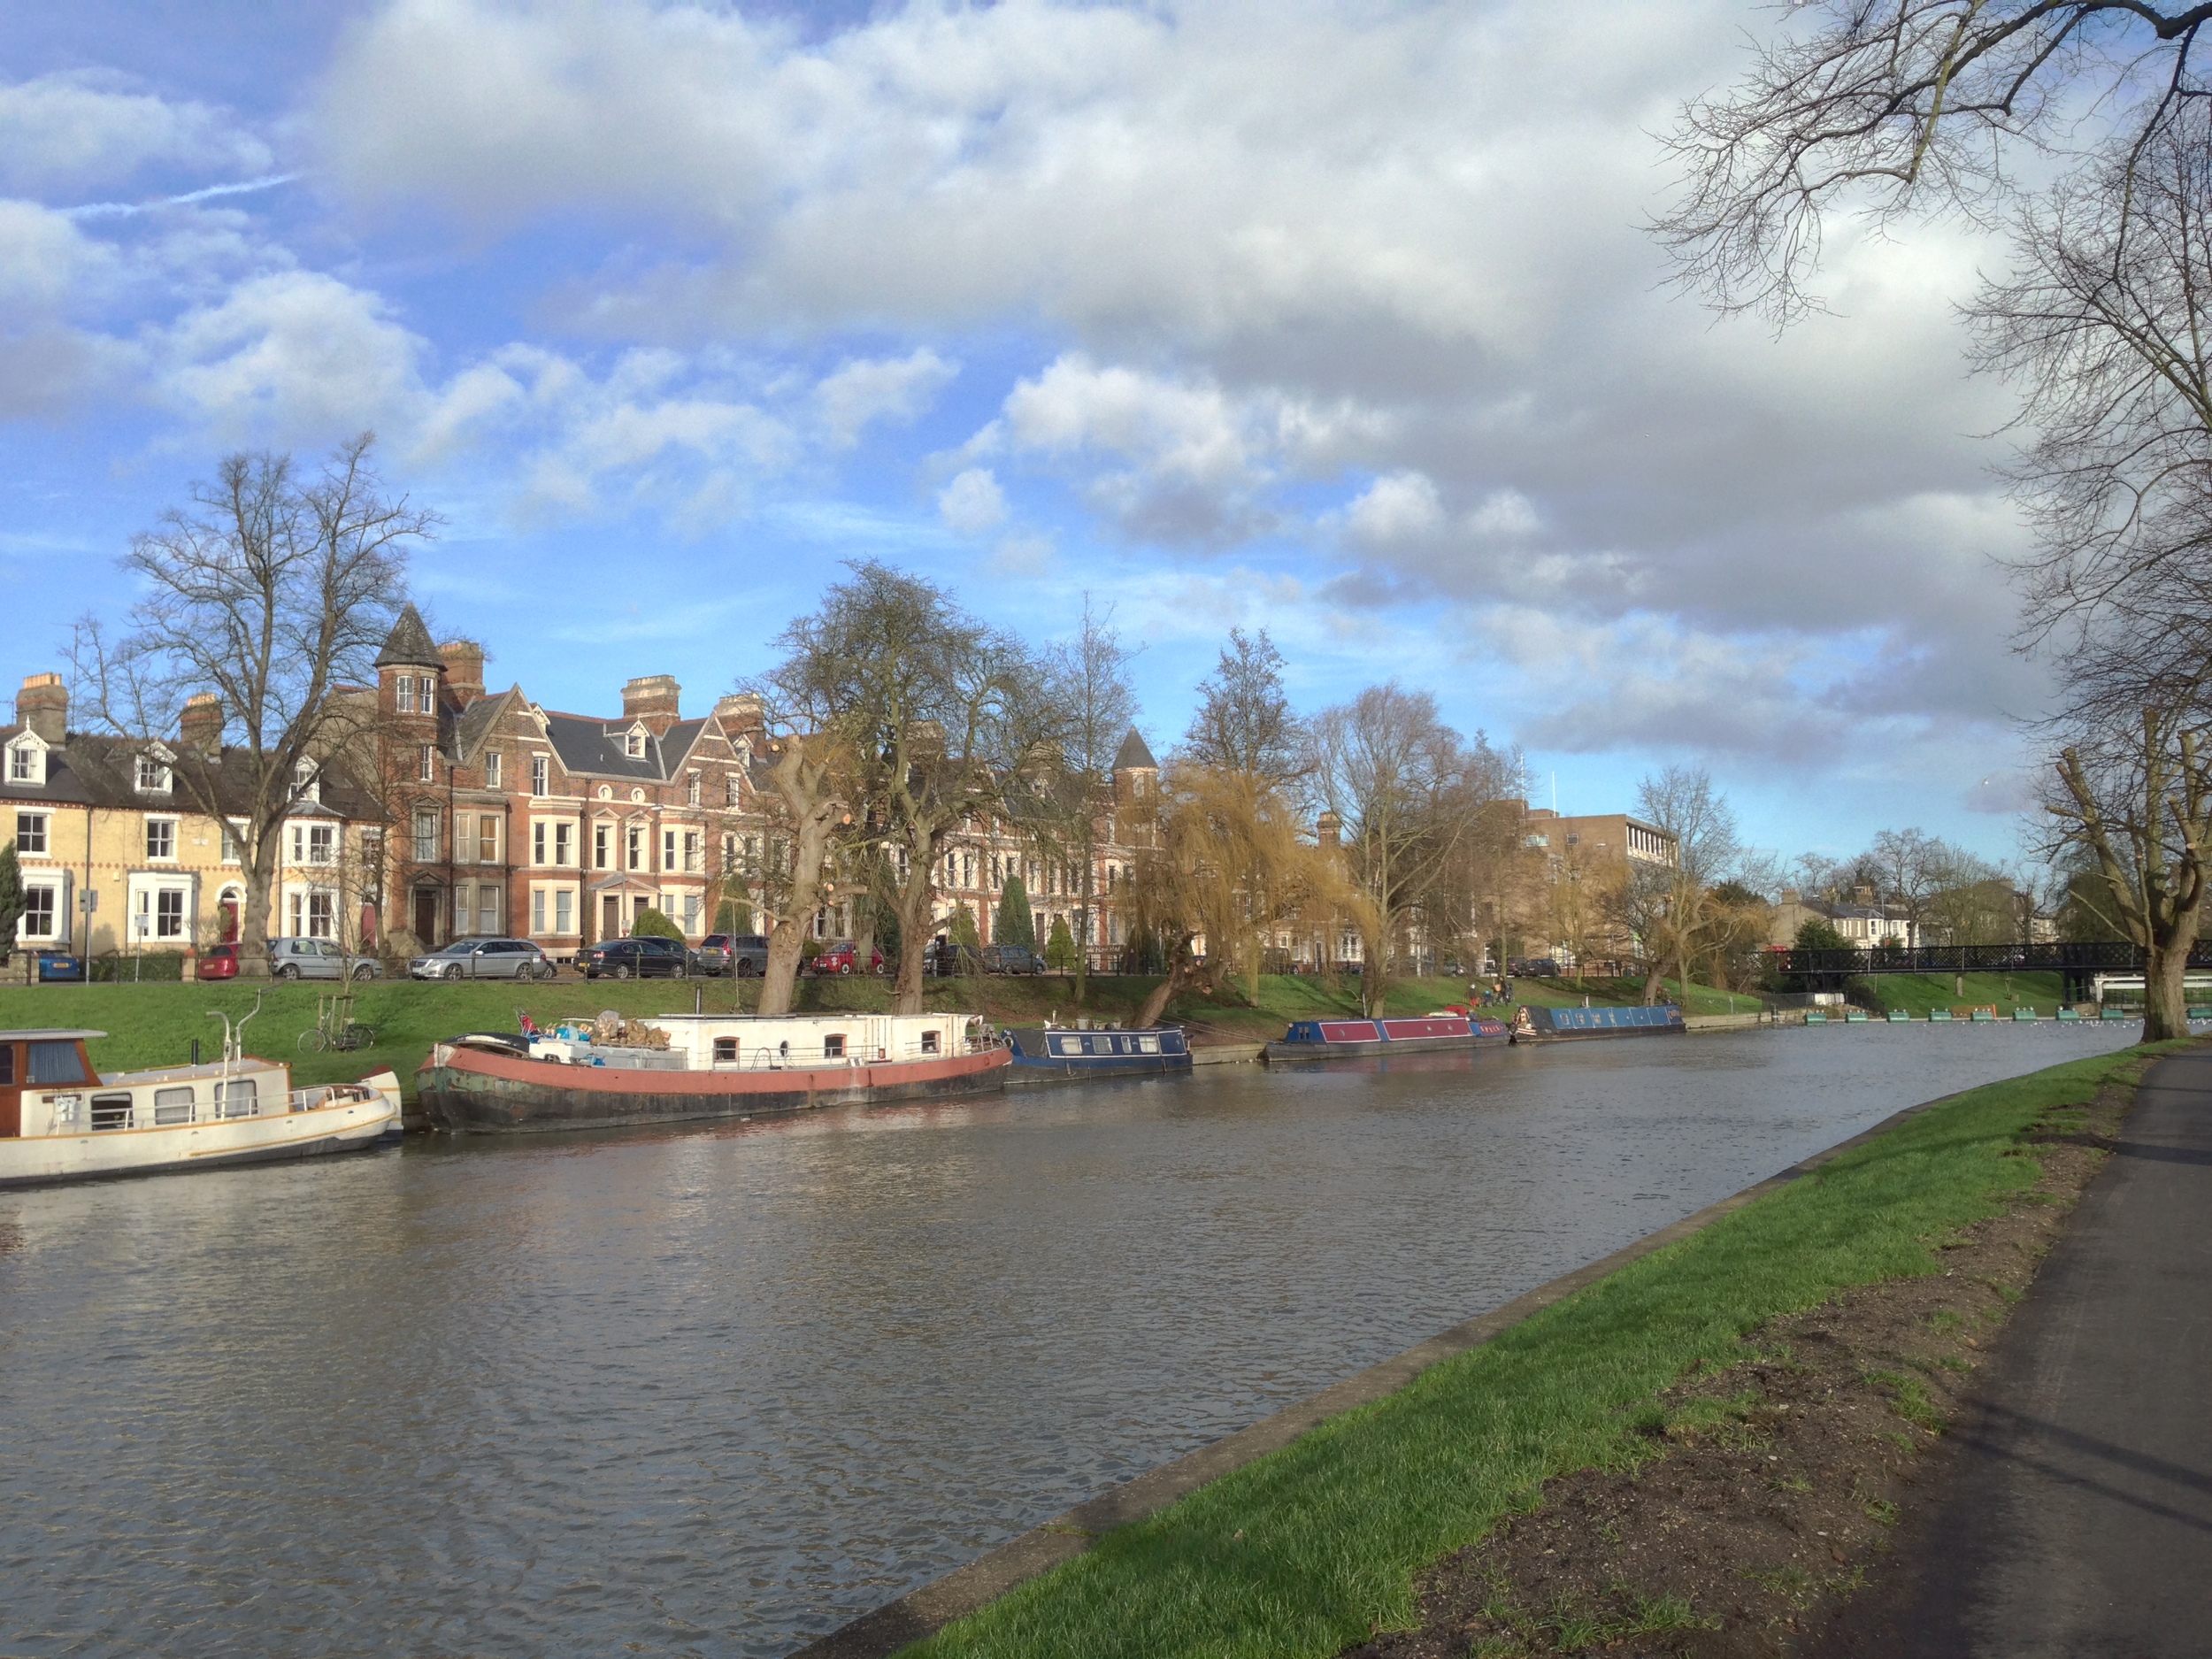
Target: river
[{"x": 715, "y": 1391}]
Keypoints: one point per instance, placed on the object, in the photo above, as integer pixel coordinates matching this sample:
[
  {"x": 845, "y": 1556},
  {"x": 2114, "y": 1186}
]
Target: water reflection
[{"x": 711, "y": 1391}]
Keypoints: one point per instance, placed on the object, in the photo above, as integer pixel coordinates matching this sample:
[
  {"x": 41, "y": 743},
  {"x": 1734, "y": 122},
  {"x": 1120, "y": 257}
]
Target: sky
[{"x": 1332, "y": 319}]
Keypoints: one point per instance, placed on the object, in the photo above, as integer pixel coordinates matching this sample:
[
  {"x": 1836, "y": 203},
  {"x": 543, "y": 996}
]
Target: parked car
[
  {"x": 743, "y": 954},
  {"x": 843, "y": 955},
  {"x": 484, "y": 959},
  {"x": 317, "y": 959},
  {"x": 1011, "y": 959},
  {"x": 56, "y": 966},
  {"x": 645, "y": 957},
  {"x": 217, "y": 961},
  {"x": 945, "y": 958}
]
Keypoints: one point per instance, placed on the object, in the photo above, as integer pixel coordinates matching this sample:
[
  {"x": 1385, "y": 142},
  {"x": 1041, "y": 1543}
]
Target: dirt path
[{"x": 1764, "y": 1492}]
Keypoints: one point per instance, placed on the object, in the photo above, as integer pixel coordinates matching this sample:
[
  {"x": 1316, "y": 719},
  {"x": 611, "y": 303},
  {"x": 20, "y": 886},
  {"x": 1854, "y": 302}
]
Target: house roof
[
  {"x": 100, "y": 770},
  {"x": 408, "y": 644},
  {"x": 1133, "y": 755}
]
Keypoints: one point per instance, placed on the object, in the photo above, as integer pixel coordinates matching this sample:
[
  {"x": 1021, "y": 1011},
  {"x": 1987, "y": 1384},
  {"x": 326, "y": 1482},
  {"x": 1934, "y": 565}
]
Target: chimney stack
[
  {"x": 43, "y": 706},
  {"x": 200, "y": 725},
  {"x": 1328, "y": 829},
  {"x": 463, "y": 661},
  {"x": 740, "y": 712},
  {"x": 652, "y": 698}
]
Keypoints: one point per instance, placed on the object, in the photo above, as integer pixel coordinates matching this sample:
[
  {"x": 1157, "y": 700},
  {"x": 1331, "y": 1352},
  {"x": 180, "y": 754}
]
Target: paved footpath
[{"x": 2075, "y": 1515}]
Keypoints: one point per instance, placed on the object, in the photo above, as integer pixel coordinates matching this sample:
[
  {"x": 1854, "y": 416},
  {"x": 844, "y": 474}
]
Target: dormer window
[
  {"x": 634, "y": 743},
  {"x": 153, "y": 774},
  {"x": 307, "y": 781},
  {"x": 26, "y": 761}
]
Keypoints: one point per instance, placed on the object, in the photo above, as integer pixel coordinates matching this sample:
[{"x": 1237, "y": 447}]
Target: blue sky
[{"x": 1332, "y": 319}]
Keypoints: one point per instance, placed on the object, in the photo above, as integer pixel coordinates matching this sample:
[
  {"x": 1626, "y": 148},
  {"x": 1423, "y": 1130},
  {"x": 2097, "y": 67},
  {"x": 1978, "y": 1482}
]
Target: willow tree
[
  {"x": 1225, "y": 861},
  {"x": 273, "y": 592}
]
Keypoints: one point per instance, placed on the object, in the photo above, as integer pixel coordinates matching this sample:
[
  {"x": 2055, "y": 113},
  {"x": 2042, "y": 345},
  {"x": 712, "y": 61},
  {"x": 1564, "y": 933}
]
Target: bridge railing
[{"x": 2093, "y": 956}]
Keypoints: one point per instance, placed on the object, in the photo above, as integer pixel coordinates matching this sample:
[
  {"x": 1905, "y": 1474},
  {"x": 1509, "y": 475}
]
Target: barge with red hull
[
  {"x": 712, "y": 1066},
  {"x": 1359, "y": 1039}
]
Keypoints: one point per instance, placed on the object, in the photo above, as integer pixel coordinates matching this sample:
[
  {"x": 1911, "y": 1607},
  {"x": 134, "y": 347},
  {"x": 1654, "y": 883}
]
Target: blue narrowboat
[
  {"x": 1344, "y": 1038},
  {"x": 1568, "y": 1024},
  {"x": 1041, "y": 1054}
]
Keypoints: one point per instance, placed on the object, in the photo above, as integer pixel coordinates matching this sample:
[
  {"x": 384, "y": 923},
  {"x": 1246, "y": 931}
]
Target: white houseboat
[
  {"x": 62, "y": 1121},
  {"x": 668, "y": 1068}
]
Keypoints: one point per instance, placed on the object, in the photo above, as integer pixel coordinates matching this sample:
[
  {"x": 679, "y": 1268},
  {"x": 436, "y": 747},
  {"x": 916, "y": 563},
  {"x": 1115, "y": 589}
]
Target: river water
[{"x": 714, "y": 1392}]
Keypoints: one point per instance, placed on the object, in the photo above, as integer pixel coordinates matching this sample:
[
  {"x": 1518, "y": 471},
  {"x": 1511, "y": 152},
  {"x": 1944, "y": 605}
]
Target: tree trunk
[
  {"x": 906, "y": 995},
  {"x": 1181, "y": 976},
  {"x": 253, "y": 922},
  {"x": 1083, "y": 929},
  {"x": 787, "y": 940},
  {"x": 2165, "y": 997}
]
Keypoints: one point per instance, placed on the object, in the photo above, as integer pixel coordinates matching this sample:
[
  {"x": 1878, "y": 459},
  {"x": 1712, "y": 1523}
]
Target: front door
[
  {"x": 427, "y": 916},
  {"x": 610, "y": 917}
]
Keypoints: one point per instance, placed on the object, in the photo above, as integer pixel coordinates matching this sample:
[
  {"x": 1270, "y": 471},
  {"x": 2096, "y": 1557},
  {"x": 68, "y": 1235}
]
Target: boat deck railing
[{"x": 176, "y": 1105}]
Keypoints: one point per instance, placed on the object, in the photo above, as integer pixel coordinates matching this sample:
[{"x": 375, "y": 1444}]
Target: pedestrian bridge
[{"x": 2080, "y": 962}]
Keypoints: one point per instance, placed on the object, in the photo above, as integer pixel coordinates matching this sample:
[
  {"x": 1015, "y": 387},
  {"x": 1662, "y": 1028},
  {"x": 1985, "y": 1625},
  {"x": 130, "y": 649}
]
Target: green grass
[
  {"x": 1315, "y": 1546},
  {"x": 1917, "y": 993},
  {"x": 154, "y": 1024}
]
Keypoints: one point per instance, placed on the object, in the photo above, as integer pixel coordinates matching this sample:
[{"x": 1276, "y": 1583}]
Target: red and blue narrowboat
[{"x": 1346, "y": 1039}]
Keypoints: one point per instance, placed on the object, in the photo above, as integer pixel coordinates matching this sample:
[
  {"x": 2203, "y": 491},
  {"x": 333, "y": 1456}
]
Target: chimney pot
[{"x": 43, "y": 706}]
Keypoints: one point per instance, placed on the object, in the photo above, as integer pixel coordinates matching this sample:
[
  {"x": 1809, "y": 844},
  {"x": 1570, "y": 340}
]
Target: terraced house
[
  {"x": 509, "y": 818},
  {"x": 117, "y": 856}
]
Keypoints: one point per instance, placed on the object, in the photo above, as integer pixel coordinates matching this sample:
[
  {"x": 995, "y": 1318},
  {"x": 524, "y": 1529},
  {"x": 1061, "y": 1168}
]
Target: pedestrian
[{"x": 1506, "y": 990}]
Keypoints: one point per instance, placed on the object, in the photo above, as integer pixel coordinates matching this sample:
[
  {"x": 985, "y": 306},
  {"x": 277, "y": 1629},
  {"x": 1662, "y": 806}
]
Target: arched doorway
[{"x": 228, "y": 908}]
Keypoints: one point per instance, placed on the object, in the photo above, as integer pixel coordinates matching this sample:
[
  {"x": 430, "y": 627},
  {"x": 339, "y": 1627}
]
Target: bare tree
[
  {"x": 1892, "y": 108},
  {"x": 2137, "y": 797},
  {"x": 941, "y": 710},
  {"x": 1090, "y": 681},
  {"x": 1676, "y": 902},
  {"x": 273, "y": 593},
  {"x": 1410, "y": 795},
  {"x": 1244, "y": 722}
]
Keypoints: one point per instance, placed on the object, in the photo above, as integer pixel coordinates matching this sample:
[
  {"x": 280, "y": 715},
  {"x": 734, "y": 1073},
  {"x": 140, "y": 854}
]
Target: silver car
[
  {"x": 318, "y": 959},
  {"x": 484, "y": 959}
]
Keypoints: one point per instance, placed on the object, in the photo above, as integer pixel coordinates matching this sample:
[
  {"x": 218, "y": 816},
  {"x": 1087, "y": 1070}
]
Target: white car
[{"x": 484, "y": 959}]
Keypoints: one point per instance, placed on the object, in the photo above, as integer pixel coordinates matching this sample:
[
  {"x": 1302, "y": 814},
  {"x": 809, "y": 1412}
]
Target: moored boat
[
  {"x": 1569, "y": 1025},
  {"x": 1344, "y": 1039},
  {"x": 62, "y": 1121},
  {"x": 675, "y": 1068},
  {"x": 1043, "y": 1054}
]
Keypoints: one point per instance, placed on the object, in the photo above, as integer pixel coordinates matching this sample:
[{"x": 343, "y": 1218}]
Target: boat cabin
[
  {"x": 747, "y": 1042},
  {"x": 40, "y": 1060}
]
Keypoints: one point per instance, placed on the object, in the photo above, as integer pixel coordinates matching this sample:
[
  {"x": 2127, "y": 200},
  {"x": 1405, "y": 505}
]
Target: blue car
[{"x": 59, "y": 965}]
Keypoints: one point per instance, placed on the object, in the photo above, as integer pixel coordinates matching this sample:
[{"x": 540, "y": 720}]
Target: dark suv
[
  {"x": 1011, "y": 959},
  {"x": 645, "y": 957},
  {"x": 743, "y": 954}
]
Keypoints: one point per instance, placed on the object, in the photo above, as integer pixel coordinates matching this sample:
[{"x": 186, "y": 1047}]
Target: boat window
[
  {"x": 725, "y": 1050},
  {"x": 110, "y": 1111},
  {"x": 929, "y": 1042},
  {"x": 1147, "y": 1045},
  {"x": 1063, "y": 1045},
  {"x": 238, "y": 1098},
  {"x": 834, "y": 1045},
  {"x": 57, "y": 1063},
  {"x": 173, "y": 1106}
]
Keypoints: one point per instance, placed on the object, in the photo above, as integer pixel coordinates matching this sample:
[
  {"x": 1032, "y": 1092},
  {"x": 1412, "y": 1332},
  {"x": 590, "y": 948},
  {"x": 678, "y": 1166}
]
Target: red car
[
  {"x": 843, "y": 955},
  {"x": 218, "y": 962}
]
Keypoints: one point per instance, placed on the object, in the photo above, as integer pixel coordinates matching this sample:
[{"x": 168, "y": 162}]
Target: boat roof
[{"x": 55, "y": 1035}]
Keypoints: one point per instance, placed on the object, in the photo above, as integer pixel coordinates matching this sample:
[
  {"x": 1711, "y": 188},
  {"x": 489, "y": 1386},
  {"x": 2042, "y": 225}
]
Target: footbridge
[{"x": 2079, "y": 963}]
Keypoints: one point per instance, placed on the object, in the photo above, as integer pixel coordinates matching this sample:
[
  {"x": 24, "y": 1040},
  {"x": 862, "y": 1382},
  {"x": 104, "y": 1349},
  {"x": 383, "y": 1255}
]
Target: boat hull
[
  {"x": 467, "y": 1091},
  {"x": 1583, "y": 1024},
  {"x": 1363, "y": 1039},
  {"x": 360, "y": 1125},
  {"x": 1043, "y": 1056}
]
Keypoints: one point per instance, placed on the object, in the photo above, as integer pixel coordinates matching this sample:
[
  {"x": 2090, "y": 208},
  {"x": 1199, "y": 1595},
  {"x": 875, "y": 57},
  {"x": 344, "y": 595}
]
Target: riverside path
[{"x": 2075, "y": 1515}]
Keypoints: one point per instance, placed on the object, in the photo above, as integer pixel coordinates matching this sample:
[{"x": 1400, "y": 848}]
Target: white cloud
[
  {"x": 897, "y": 390},
  {"x": 80, "y": 129},
  {"x": 972, "y": 503},
  {"x": 1396, "y": 507}
]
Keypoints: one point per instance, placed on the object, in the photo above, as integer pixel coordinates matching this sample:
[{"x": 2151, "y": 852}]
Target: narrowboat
[
  {"x": 1044, "y": 1054},
  {"x": 62, "y": 1121},
  {"x": 1346, "y": 1039},
  {"x": 675, "y": 1068},
  {"x": 1574, "y": 1025}
]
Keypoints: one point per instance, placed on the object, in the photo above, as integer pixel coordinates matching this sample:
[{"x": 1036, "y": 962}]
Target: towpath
[{"x": 2075, "y": 1515}]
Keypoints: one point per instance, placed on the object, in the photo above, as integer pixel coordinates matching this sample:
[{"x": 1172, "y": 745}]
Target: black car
[
  {"x": 743, "y": 954},
  {"x": 645, "y": 957},
  {"x": 945, "y": 958},
  {"x": 1011, "y": 959}
]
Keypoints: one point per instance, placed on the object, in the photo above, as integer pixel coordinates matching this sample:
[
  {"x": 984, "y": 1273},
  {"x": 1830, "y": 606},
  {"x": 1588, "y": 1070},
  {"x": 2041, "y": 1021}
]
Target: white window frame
[
  {"x": 54, "y": 907},
  {"x": 30, "y": 826},
  {"x": 27, "y": 760},
  {"x": 427, "y": 763},
  {"x": 233, "y": 848},
  {"x": 491, "y": 769},
  {"x": 154, "y": 775},
  {"x": 160, "y": 821},
  {"x": 540, "y": 774}
]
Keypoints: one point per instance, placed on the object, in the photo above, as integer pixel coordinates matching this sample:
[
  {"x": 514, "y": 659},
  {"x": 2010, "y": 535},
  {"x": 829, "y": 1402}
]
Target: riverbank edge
[{"x": 922, "y": 1613}]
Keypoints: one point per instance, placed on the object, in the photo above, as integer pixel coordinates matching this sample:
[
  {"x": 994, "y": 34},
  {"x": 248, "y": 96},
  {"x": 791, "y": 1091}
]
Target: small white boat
[{"x": 62, "y": 1121}]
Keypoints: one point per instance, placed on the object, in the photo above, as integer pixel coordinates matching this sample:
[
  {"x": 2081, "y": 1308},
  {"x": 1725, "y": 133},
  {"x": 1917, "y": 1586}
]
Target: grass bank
[
  {"x": 1915, "y": 993},
  {"x": 1315, "y": 1548},
  {"x": 155, "y": 1025}
]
